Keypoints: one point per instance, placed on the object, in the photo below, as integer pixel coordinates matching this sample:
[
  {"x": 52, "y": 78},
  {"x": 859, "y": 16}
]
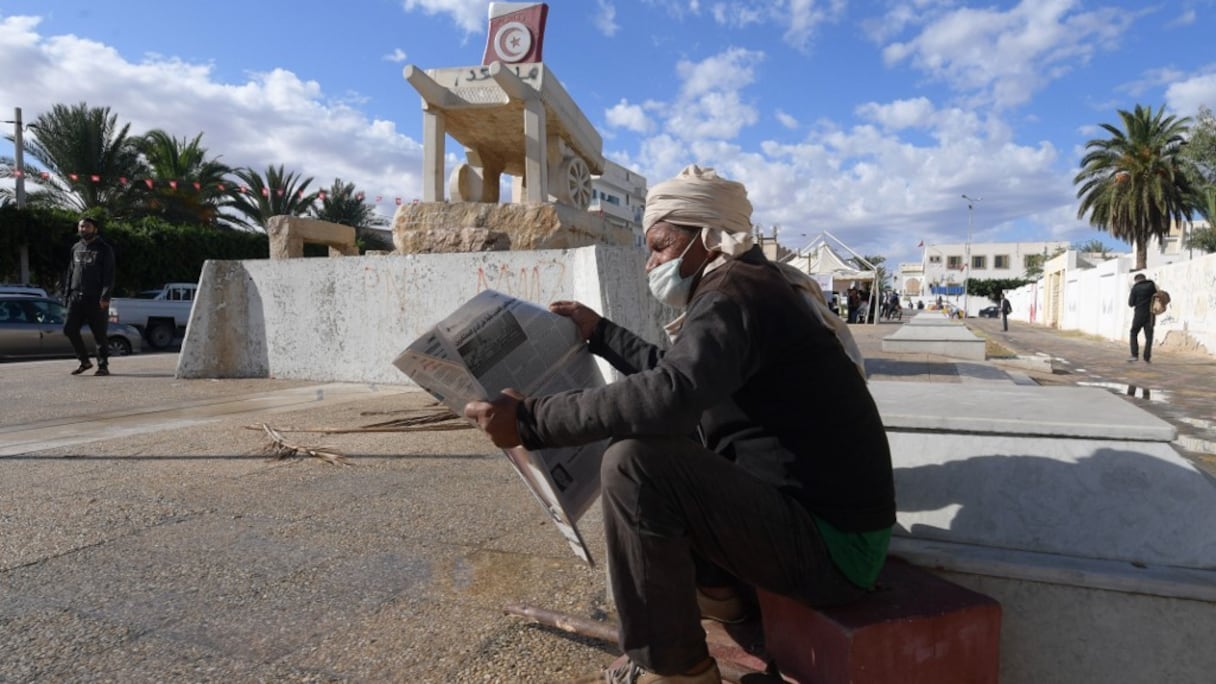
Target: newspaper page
[{"x": 492, "y": 342}]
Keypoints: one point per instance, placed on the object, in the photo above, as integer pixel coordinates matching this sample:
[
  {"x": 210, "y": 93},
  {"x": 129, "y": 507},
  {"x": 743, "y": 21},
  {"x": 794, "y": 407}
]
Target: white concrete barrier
[
  {"x": 1069, "y": 506},
  {"x": 346, "y": 319},
  {"x": 932, "y": 335}
]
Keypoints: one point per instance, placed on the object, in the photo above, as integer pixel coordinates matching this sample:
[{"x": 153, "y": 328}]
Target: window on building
[
  {"x": 1029, "y": 260},
  {"x": 935, "y": 259},
  {"x": 954, "y": 262},
  {"x": 980, "y": 262},
  {"x": 1001, "y": 261}
]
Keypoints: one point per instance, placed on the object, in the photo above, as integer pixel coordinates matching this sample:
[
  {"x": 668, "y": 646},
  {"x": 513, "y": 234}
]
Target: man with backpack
[{"x": 1141, "y": 299}]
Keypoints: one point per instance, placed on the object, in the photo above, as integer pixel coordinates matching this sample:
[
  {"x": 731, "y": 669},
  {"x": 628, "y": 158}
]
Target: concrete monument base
[{"x": 429, "y": 227}]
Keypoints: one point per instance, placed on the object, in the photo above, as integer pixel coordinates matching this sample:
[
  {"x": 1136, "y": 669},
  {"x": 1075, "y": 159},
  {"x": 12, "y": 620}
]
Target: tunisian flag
[{"x": 517, "y": 32}]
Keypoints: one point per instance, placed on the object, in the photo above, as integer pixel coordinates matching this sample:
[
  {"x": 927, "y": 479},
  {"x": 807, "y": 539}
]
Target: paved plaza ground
[{"x": 145, "y": 537}]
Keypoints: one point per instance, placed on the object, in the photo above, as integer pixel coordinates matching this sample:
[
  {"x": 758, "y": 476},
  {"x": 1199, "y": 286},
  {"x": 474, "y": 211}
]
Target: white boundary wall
[
  {"x": 345, "y": 319},
  {"x": 1095, "y": 302}
]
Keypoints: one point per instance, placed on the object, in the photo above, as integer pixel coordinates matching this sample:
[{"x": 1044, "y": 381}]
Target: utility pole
[{"x": 967, "y": 250}]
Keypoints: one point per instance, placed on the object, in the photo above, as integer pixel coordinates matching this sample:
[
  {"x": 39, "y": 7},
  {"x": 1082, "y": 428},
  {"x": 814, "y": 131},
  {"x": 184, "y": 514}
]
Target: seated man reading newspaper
[{"x": 730, "y": 466}]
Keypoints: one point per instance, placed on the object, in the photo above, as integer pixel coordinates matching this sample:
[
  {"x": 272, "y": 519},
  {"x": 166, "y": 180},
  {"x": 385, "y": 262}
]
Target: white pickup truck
[{"x": 158, "y": 314}]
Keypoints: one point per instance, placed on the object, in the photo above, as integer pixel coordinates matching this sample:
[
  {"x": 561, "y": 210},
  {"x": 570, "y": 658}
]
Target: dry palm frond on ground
[
  {"x": 433, "y": 419},
  {"x": 279, "y": 449}
]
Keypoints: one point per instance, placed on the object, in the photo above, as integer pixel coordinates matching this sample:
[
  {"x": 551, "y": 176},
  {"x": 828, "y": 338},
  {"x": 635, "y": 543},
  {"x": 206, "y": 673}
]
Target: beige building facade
[{"x": 944, "y": 267}]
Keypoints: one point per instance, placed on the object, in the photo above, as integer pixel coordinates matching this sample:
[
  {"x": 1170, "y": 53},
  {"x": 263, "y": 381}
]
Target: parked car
[
  {"x": 990, "y": 312},
  {"x": 158, "y": 317},
  {"x": 33, "y": 326},
  {"x": 26, "y": 290}
]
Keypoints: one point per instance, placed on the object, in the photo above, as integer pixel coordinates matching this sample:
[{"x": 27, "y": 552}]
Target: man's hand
[
  {"x": 497, "y": 417},
  {"x": 105, "y": 304},
  {"x": 583, "y": 317}
]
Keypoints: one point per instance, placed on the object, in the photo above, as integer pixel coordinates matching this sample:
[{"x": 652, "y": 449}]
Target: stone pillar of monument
[
  {"x": 536, "y": 138},
  {"x": 434, "y": 132}
]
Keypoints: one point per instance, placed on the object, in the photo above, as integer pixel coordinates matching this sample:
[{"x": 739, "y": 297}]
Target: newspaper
[{"x": 492, "y": 342}]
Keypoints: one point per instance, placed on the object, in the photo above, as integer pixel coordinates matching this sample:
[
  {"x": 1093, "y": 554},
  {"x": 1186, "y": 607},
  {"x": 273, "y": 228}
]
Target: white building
[
  {"x": 1170, "y": 250},
  {"x": 942, "y": 269},
  {"x": 619, "y": 195}
]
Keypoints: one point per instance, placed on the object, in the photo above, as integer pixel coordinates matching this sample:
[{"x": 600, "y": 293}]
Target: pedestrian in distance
[
  {"x": 722, "y": 474},
  {"x": 89, "y": 279},
  {"x": 1006, "y": 309},
  {"x": 1141, "y": 300}
]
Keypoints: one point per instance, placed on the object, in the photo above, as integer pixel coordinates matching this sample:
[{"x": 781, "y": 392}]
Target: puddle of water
[
  {"x": 1146, "y": 393},
  {"x": 1196, "y": 444},
  {"x": 1199, "y": 423}
]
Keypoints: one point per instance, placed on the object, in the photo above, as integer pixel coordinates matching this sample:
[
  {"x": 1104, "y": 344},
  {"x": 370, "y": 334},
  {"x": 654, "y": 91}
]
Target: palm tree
[
  {"x": 341, "y": 204},
  {"x": 256, "y": 198},
  {"x": 190, "y": 187},
  {"x": 1134, "y": 184},
  {"x": 1205, "y": 204},
  {"x": 89, "y": 159}
]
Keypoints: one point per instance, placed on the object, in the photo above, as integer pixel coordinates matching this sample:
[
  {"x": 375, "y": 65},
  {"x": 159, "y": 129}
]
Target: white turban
[{"x": 700, "y": 198}]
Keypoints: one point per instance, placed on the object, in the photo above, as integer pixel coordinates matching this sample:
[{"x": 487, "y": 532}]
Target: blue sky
[{"x": 865, "y": 119}]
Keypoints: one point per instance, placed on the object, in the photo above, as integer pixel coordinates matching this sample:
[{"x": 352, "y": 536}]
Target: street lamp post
[
  {"x": 18, "y": 157},
  {"x": 967, "y": 251}
]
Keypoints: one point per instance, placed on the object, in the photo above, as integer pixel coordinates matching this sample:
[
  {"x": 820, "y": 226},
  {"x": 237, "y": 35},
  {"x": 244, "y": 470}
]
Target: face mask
[{"x": 666, "y": 283}]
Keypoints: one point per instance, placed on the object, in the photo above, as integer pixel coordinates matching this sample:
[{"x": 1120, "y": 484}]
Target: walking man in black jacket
[
  {"x": 1141, "y": 299},
  {"x": 89, "y": 281},
  {"x": 726, "y": 469}
]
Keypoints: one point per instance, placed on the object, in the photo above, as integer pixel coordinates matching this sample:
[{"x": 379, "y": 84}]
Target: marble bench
[
  {"x": 933, "y": 337},
  {"x": 1070, "y": 507}
]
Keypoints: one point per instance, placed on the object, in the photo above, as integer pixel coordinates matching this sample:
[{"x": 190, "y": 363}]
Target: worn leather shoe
[
  {"x": 104, "y": 370},
  {"x": 84, "y": 366},
  {"x": 629, "y": 672}
]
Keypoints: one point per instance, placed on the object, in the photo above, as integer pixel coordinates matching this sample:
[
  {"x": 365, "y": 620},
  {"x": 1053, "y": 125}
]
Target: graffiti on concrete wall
[{"x": 540, "y": 282}]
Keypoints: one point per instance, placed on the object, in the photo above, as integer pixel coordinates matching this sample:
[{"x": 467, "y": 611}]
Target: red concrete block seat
[{"x": 916, "y": 628}]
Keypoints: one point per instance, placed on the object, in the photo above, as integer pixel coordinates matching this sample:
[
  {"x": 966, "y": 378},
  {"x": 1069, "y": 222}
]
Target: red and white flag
[{"x": 517, "y": 32}]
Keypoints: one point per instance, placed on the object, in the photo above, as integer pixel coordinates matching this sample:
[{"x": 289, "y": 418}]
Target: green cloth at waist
[{"x": 859, "y": 555}]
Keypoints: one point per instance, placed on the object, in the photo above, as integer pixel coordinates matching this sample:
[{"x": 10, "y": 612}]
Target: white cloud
[
  {"x": 397, "y": 55},
  {"x": 677, "y": 9},
  {"x": 1185, "y": 96},
  {"x": 786, "y": 120},
  {"x": 799, "y": 18},
  {"x": 470, "y": 15},
  {"x": 629, "y": 116},
  {"x": 271, "y": 118},
  {"x": 1187, "y": 18},
  {"x": 709, "y": 104},
  {"x": 605, "y": 18},
  {"x": 805, "y": 16},
  {"x": 900, "y": 114},
  {"x": 880, "y": 192},
  {"x": 1006, "y": 56},
  {"x": 1151, "y": 79}
]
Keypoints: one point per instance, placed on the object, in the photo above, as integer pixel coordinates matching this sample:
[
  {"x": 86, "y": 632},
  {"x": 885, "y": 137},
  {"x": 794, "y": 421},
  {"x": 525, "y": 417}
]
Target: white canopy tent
[{"x": 822, "y": 262}]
